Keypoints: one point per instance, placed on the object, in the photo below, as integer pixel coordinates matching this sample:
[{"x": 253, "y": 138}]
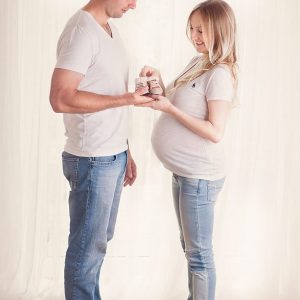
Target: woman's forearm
[{"x": 203, "y": 128}]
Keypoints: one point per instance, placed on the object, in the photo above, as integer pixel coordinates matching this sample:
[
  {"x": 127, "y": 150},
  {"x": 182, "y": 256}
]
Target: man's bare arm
[{"x": 66, "y": 98}]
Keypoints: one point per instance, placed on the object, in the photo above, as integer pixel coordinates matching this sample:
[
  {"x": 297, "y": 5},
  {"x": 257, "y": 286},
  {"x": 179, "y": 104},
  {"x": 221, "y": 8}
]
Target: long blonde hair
[{"x": 220, "y": 27}]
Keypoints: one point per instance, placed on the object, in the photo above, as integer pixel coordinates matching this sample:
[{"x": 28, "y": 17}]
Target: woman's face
[{"x": 198, "y": 35}]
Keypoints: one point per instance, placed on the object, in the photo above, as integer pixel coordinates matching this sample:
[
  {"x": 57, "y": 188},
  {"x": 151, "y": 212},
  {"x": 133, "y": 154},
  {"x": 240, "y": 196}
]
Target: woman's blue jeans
[
  {"x": 96, "y": 184},
  {"x": 194, "y": 201}
]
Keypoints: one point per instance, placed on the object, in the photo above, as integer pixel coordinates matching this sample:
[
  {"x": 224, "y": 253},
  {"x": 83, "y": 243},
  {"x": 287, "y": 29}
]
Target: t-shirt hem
[
  {"x": 220, "y": 98},
  {"x": 102, "y": 152},
  {"x": 70, "y": 68},
  {"x": 216, "y": 176}
]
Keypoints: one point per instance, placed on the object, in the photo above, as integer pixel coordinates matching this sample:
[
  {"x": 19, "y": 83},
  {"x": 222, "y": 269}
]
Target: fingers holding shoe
[{"x": 148, "y": 71}]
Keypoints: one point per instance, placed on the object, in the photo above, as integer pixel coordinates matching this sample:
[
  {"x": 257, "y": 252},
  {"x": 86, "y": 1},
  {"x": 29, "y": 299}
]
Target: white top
[
  {"x": 85, "y": 47},
  {"x": 179, "y": 149}
]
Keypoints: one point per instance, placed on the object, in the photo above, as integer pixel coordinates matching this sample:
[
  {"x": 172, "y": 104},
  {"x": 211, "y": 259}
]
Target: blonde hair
[{"x": 220, "y": 28}]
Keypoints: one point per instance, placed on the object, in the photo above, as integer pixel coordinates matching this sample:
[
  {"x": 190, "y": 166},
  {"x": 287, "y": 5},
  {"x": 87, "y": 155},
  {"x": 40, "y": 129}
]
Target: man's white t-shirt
[
  {"x": 179, "y": 149},
  {"x": 85, "y": 47}
]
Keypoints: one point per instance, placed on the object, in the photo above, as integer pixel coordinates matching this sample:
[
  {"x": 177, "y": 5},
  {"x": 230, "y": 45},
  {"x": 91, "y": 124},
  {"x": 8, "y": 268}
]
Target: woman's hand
[
  {"x": 149, "y": 71},
  {"x": 159, "y": 103}
]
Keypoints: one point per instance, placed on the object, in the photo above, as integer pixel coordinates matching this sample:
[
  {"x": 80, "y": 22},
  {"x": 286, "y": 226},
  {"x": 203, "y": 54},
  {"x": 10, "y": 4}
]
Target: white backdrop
[{"x": 257, "y": 242}]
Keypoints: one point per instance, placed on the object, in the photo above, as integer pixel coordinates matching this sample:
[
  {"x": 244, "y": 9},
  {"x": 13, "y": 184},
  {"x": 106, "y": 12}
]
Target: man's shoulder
[
  {"x": 82, "y": 22},
  {"x": 80, "y": 30}
]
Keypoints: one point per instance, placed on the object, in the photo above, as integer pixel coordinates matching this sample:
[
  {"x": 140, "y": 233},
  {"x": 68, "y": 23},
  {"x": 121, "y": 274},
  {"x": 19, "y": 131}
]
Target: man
[{"x": 89, "y": 85}]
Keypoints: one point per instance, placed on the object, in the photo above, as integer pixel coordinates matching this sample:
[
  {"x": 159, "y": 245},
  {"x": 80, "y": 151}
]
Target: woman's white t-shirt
[{"x": 179, "y": 149}]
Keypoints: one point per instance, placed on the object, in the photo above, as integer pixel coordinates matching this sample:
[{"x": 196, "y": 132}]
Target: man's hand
[
  {"x": 137, "y": 97},
  {"x": 130, "y": 174}
]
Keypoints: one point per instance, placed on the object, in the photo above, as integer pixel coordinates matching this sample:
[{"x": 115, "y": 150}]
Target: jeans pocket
[
  {"x": 189, "y": 186},
  {"x": 213, "y": 189},
  {"x": 70, "y": 169}
]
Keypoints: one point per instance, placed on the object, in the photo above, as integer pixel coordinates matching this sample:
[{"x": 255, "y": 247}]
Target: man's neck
[{"x": 97, "y": 10}]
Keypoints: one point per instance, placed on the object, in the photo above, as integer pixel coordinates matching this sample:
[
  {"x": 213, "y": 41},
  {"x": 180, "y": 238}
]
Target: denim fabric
[
  {"x": 194, "y": 201},
  {"x": 96, "y": 184}
]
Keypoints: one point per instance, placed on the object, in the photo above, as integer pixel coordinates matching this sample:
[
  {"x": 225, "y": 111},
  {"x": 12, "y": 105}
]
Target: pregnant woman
[{"x": 187, "y": 136}]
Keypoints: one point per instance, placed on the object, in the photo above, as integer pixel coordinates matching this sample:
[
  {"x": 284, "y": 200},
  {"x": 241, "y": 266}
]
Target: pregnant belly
[{"x": 171, "y": 140}]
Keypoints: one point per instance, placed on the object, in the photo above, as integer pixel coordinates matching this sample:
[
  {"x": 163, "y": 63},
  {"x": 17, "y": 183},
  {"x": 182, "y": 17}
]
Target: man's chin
[{"x": 118, "y": 15}]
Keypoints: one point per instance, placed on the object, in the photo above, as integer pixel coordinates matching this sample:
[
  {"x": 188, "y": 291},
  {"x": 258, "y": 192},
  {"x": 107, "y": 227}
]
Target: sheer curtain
[{"x": 257, "y": 242}]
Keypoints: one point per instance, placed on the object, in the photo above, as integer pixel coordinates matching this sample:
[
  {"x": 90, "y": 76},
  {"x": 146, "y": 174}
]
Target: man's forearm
[{"x": 87, "y": 102}]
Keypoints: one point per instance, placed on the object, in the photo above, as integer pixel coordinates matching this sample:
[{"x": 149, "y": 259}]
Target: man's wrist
[{"x": 123, "y": 100}]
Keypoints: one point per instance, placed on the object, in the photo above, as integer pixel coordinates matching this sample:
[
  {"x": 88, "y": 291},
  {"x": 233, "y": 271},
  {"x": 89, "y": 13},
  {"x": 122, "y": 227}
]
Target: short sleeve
[
  {"x": 220, "y": 85},
  {"x": 75, "y": 50}
]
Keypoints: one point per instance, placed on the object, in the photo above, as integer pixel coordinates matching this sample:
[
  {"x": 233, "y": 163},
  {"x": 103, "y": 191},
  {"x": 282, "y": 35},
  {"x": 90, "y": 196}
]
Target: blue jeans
[
  {"x": 96, "y": 184},
  {"x": 194, "y": 201}
]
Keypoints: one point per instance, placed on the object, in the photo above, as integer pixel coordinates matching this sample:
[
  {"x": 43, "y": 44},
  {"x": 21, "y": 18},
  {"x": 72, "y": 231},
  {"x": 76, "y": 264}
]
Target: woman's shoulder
[
  {"x": 219, "y": 72},
  {"x": 220, "y": 68},
  {"x": 219, "y": 83}
]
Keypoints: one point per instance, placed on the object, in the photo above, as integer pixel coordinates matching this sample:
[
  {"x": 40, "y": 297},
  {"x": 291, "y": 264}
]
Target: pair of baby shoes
[{"x": 152, "y": 84}]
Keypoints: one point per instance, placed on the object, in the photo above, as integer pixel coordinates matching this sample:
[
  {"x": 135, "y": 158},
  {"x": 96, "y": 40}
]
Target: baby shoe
[
  {"x": 141, "y": 82},
  {"x": 154, "y": 86}
]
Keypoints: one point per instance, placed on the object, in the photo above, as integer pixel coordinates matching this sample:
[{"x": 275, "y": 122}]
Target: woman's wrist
[
  {"x": 171, "y": 109},
  {"x": 176, "y": 112}
]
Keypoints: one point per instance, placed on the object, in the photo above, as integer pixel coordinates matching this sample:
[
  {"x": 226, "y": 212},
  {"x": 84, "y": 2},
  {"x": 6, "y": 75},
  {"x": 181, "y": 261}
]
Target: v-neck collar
[
  {"x": 186, "y": 70},
  {"x": 112, "y": 36}
]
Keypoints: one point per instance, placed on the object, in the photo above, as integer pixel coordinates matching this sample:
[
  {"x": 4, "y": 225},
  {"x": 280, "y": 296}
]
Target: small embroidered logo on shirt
[{"x": 194, "y": 84}]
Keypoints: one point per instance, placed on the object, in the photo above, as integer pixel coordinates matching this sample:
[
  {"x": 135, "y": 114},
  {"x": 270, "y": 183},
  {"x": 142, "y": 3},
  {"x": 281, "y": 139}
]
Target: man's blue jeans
[
  {"x": 194, "y": 201},
  {"x": 96, "y": 184}
]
